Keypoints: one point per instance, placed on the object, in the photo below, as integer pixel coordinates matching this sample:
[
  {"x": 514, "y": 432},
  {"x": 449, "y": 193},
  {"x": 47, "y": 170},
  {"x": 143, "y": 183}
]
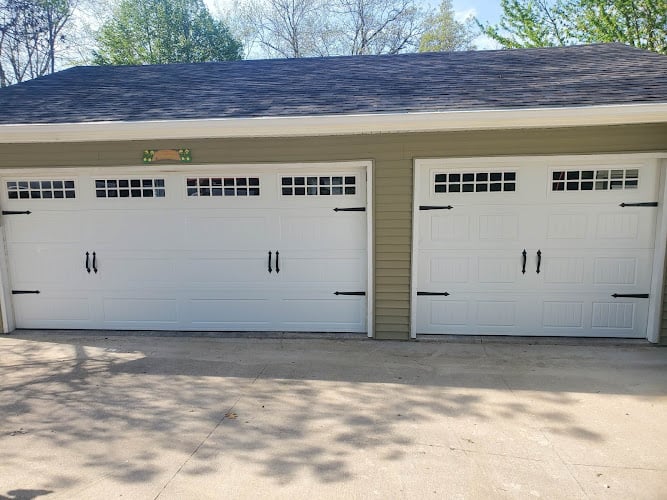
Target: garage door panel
[
  {"x": 450, "y": 270},
  {"x": 609, "y": 270},
  {"x": 126, "y": 308},
  {"x": 585, "y": 245},
  {"x": 135, "y": 269},
  {"x": 229, "y": 231},
  {"x": 124, "y": 229},
  {"x": 475, "y": 314},
  {"x": 323, "y": 269},
  {"x": 621, "y": 270},
  {"x": 40, "y": 264},
  {"x": 191, "y": 251},
  {"x": 445, "y": 228},
  {"x": 53, "y": 309},
  {"x": 591, "y": 226},
  {"x": 442, "y": 270},
  {"x": 483, "y": 227},
  {"x": 248, "y": 269},
  {"x": 619, "y": 316},
  {"x": 230, "y": 311},
  {"x": 45, "y": 227},
  {"x": 594, "y": 315},
  {"x": 323, "y": 312},
  {"x": 322, "y": 232}
]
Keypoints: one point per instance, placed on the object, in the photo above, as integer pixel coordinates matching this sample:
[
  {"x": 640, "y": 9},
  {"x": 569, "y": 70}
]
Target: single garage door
[
  {"x": 216, "y": 248},
  {"x": 534, "y": 247}
]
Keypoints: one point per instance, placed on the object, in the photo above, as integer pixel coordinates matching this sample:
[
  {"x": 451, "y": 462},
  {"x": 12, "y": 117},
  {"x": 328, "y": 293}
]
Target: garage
[
  {"x": 550, "y": 246},
  {"x": 399, "y": 195},
  {"x": 215, "y": 247}
]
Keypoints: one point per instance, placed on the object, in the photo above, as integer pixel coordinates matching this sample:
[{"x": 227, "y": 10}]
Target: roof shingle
[{"x": 445, "y": 81}]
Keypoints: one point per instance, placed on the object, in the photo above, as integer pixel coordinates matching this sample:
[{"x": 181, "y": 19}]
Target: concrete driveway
[{"x": 137, "y": 416}]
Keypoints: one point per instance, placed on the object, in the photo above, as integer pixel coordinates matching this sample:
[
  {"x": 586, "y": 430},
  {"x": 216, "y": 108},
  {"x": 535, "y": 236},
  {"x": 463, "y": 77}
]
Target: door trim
[
  {"x": 655, "y": 309},
  {"x": 660, "y": 249},
  {"x": 6, "y": 303}
]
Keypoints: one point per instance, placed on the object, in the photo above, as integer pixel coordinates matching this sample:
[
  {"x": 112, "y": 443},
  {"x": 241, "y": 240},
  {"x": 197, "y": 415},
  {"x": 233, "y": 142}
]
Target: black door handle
[
  {"x": 94, "y": 263},
  {"x": 87, "y": 264},
  {"x": 270, "y": 270},
  {"x": 277, "y": 262},
  {"x": 523, "y": 255},
  {"x": 539, "y": 260}
]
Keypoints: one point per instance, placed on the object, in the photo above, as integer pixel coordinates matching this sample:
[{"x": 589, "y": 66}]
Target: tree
[
  {"x": 381, "y": 26},
  {"x": 543, "y": 23},
  {"x": 31, "y": 32},
  {"x": 302, "y": 28},
  {"x": 164, "y": 31},
  {"x": 531, "y": 23},
  {"x": 443, "y": 32},
  {"x": 284, "y": 28},
  {"x": 640, "y": 23}
]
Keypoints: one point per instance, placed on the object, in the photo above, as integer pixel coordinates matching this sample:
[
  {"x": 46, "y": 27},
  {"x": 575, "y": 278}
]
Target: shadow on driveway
[{"x": 143, "y": 410}]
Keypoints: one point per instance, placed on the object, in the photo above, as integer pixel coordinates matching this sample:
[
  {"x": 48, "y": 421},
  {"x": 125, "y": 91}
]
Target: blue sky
[
  {"x": 488, "y": 11},
  {"x": 484, "y": 10}
]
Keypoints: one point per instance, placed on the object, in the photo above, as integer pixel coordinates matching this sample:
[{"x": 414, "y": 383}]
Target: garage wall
[{"x": 393, "y": 156}]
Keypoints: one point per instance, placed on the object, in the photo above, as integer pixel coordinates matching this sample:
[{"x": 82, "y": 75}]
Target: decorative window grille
[
  {"x": 44, "y": 190},
  {"x": 595, "y": 180},
  {"x": 222, "y": 186},
  {"x": 313, "y": 185},
  {"x": 129, "y": 188},
  {"x": 474, "y": 182}
]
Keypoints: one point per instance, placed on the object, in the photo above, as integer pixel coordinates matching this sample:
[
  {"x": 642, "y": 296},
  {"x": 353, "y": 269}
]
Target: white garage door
[
  {"x": 216, "y": 249},
  {"x": 535, "y": 247}
]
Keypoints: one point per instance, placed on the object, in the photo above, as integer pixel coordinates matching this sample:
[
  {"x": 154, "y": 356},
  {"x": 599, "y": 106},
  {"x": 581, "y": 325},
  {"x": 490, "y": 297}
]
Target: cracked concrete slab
[{"x": 93, "y": 415}]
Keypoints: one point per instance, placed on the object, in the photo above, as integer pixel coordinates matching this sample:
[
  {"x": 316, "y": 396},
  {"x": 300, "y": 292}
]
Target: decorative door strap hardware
[
  {"x": 630, "y": 295},
  {"x": 434, "y": 294},
  {"x": 539, "y": 261},
  {"x": 16, "y": 212},
  {"x": 277, "y": 262},
  {"x": 523, "y": 256},
  {"x": 270, "y": 270},
  {"x": 88, "y": 262},
  {"x": 349, "y": 293},
  {"x": 353, "y": 209},
  {"x": 24, "y": 292},
  {"x": 94, "y": 263},
  {"x": 642, "y": 204},
  {"x": 435, "y": 207}
]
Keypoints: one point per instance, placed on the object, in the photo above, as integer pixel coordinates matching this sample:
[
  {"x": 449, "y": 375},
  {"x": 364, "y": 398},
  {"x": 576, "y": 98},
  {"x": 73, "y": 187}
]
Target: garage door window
[
  {"x": 32, "y": 190},
  {"x": 474, "y": 182},
  {"x": 595, "y": 180},
  {"x": 222, "y": 186},
  {"x": 319, "y": 185},
  {"x": 129, "y": 188}
]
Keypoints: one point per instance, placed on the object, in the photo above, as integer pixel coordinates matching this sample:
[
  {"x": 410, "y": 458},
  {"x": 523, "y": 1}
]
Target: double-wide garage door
[
  {"x": 535, "y": 247},
  {"x": 264, "y": 249}
]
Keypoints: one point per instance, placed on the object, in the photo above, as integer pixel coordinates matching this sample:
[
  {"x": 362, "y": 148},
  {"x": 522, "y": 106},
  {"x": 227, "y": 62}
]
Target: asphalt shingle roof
[{"x": 447, "y": 81}]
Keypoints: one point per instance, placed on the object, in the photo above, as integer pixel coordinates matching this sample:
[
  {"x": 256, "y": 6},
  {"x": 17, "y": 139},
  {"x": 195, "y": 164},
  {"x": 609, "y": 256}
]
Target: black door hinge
[
  {"x": 349, "y": 293},
  {"x": 642, "y": 204},
  {"x": 630, "y": 295},
  {"x": 16, "y": 212},
  {"x": 24, "y": 292},
  {"x": 435, "y": 207},
  {"x": 434, "y": 294},
  {"x": 353, "y": 209}
]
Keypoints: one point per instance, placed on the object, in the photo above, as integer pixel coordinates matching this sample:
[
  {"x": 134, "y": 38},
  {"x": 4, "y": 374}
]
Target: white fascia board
[{"x": 336, "y": 124}]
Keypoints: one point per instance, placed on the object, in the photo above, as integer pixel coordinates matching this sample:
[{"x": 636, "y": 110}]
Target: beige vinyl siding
[{"x": 392, "y": 156}]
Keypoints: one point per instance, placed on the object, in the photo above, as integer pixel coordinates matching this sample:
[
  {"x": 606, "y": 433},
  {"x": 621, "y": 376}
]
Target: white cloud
[{"x": 464, "y": 15}]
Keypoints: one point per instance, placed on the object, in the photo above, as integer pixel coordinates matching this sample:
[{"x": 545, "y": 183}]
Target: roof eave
[{"x": 302, "y": 126}]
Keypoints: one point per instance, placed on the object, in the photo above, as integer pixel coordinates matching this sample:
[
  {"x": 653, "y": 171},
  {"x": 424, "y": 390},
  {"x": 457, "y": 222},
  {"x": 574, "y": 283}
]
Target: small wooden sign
[{"x": 154, "y": 155}]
